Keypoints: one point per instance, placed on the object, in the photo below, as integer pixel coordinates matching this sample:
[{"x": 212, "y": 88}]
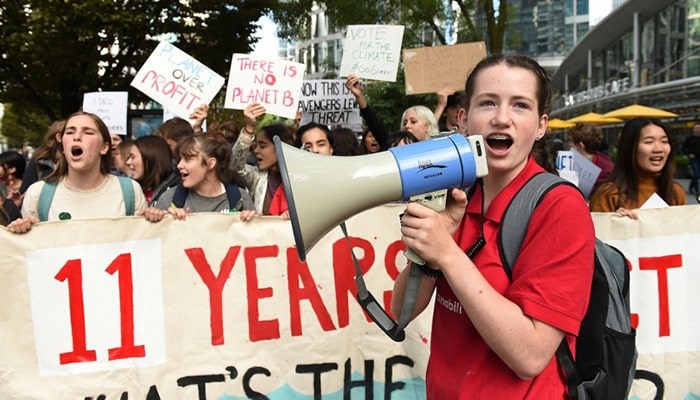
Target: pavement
[{"x": 692, "y": 199}]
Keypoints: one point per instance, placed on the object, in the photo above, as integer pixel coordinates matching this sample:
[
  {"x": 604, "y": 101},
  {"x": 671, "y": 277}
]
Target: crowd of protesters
[{"x": 84, "y": 171}]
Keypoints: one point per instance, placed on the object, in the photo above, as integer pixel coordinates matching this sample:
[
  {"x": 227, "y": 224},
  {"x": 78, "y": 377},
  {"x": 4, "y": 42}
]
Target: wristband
[{"x": 427, "y": 271}]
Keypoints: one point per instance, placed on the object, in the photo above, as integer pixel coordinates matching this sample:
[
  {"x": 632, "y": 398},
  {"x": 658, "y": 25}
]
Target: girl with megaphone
[{"x": 494, "y": 338}]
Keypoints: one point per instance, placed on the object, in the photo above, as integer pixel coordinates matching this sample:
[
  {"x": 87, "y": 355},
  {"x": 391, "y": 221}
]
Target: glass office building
[{"x": 642, "y": 52}]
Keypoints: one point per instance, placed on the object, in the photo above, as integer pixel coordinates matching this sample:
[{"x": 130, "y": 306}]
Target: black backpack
[
  {"x": 232, "y": 193},
  {"x": 606, "y": 354}
]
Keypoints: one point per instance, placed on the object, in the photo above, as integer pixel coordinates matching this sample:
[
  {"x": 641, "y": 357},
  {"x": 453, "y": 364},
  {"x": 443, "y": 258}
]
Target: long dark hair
[
  {"x": 625, "y": 175},
  {"x": 157, "y": 161}
]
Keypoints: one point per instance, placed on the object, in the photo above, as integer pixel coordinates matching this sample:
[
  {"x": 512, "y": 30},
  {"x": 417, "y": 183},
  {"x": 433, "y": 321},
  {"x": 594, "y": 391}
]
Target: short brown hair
[{"x": 590, "y": 135}]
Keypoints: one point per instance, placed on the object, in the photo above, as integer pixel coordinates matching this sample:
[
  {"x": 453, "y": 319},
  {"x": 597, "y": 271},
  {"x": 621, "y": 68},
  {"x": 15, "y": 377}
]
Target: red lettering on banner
[
  {"x": 258, "y": 330},
  {"x": 661, "y": 265},
  {"x": 128, "y": 349},
  {"x": 634, "y": 317},
  {"x": 298, "y": 273},
  {"x": 390, "y": 258},
  {"x": 344, "y": 274},
  {"x": 73, "y": 274},
  {"x": 215, "y": 284}
]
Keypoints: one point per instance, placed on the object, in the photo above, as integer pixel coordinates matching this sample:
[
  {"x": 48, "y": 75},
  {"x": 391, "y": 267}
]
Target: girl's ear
[
  {"x": 462, "y": 119},
  {"x": 211, "y": 163}
]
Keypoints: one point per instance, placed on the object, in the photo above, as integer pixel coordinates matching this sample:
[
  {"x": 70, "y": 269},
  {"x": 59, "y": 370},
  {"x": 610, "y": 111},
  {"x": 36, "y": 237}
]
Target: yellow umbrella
[
  {"x": 636, "y": 110},
  {"x": 557, "y": 123},
  {"x": 594, "y": 118}
]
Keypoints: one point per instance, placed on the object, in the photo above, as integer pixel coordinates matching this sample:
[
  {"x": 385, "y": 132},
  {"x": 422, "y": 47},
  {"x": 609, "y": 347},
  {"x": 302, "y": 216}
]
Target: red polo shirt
[{"x": 551, "y": 283}]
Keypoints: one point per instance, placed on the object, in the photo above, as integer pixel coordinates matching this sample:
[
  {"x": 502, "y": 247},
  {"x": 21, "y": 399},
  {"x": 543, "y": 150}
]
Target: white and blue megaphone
[{"x": 324, "y": 191}]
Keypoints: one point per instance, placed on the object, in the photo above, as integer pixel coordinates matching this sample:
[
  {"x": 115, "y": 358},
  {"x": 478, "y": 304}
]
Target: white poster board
[
  {"x": 176, "y": 80},
  {"x": 372, "y": 51},
  {"x": 575, "y": 167},
  {"x": 276, "y": 84},
  {"x": 111, "y": 107},
  {"x": 329, "y": 102}
]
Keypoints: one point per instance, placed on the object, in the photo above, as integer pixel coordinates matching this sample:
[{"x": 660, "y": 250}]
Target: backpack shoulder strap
[
  {"x": 516, "y": 218},
  {"x": 180, "y": 195},
  {"x": 513, "y": 229},
  {"x": 128, "y": 193},
  {"x": 45, "y": 199},
  {"x": 234, "y": 195}
]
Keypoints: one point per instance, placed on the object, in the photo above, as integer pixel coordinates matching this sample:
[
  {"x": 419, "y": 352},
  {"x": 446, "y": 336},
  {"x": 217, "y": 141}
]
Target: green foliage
[
  {"x": 25, "y": 127},
  {"x": 389, "y": 101},
  {"x": 416, "y": 16},
  {"x": 51, "y": 52},
  {"x": 419, "y": 16}
]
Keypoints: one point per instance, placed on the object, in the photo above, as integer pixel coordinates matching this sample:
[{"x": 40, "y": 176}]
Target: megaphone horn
[{"x": 323, "y": 191}]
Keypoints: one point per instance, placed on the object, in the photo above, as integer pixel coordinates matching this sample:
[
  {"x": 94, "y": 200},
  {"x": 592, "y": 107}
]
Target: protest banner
[
  {"x": 176, "y": 80},
  {"x": 111, "y": 107},
  {"x": 213, "y": 308},
  {"x": 210, "y": 307},
  {"x": 372, "y": 51},
  {"x": 276, "y": 84},
  {"x": 664, "y": 260},
  {"x": 429, "y": 69},
  {"x": 329, "y": 102}
]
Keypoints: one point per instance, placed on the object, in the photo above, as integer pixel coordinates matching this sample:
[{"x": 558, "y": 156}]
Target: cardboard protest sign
[
  {"x": 372, "y": 51},
  {"x": 111, "y": 107},
  {"x": 276, "y": 84},
  {"x": 176, "y": 80},
  {"x": 329, "y": 102},
  {"x": 429, "y": 69}
]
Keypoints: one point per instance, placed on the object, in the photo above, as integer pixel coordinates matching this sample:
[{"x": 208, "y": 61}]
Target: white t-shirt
[{"x": 106, "y": 201}]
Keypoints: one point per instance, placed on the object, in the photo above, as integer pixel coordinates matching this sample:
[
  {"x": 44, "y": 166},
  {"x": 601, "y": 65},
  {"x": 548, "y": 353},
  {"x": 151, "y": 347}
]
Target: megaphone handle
[
  {"x": 413, "y": 256},
  {"x": 434, "y": 200}
]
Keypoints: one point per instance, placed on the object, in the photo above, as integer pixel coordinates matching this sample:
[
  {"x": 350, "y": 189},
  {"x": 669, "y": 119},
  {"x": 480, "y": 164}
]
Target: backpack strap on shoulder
[
  {"x": 233, "y": 193},
  {"x": 128, "y": 194},
  {"x": 516, "y": 218},
  {"x": 514, "y": 225},
  {"x": 45, "y": 199},
  {"x": 180, "y": 195}
]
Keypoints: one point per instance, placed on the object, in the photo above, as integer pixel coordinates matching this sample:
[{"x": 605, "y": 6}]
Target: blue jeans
[{"x": 695, "y": 170}]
